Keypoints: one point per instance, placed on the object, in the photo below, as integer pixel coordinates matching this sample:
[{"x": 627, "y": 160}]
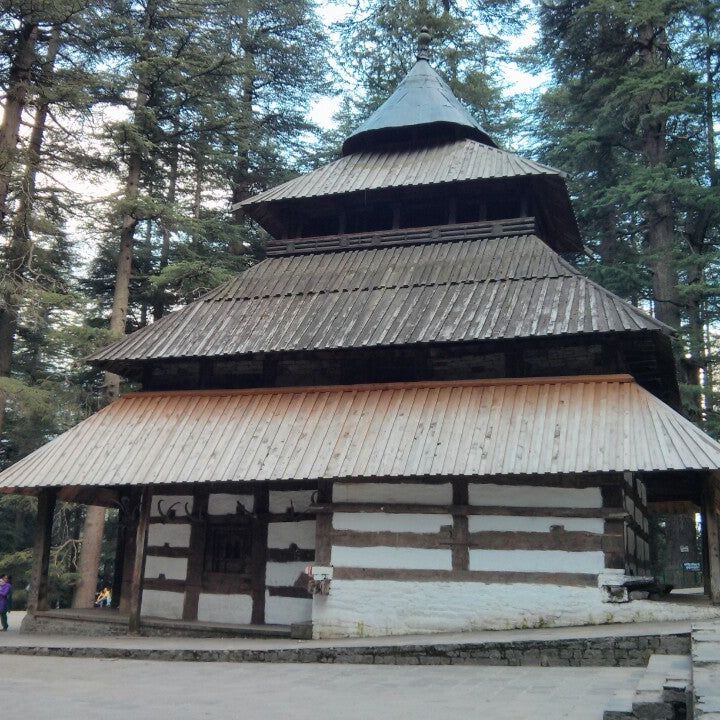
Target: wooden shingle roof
[
  {"x": 459, "y": 161},
  {"x": 436, "y": 292}
]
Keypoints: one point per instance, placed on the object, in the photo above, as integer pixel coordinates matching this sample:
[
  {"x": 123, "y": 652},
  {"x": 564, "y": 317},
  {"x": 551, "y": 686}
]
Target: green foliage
[{"x": 631, "y": 114}]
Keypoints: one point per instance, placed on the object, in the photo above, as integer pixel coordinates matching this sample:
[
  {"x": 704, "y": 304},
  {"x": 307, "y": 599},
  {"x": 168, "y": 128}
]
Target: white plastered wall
[
  {"x": 166, "y": 603},
  {"x": 285, "y": 535},
  {"x": 377, "y": 607},
  {"x": 357, "y": 608},
  {"x": 235, "y": 609}
]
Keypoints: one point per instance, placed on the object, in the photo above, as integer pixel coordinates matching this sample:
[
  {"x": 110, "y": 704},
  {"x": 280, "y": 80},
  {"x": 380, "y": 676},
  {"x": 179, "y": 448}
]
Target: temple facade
[{"x": 416, "y": 415}]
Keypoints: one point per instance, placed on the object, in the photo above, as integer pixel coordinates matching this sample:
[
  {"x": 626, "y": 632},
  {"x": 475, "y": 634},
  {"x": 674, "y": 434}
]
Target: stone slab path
[{"x": 67, "y": 689}]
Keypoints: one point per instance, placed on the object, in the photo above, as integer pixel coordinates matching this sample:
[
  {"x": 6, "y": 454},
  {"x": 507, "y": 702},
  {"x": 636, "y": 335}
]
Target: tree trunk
[
  {"x": 94, "y": 527},
  {"x": 19, "y": 81},
  {"x": 609, "y": 224},
  {"x": 123, "y": 271},
  {"x": 90, "y": 553},
  {"x": 241, "y": 173},
  {"x": 20, "y": 249},
  {"x": 659, "y": 215},
  {"x": 159, "y": 304}
]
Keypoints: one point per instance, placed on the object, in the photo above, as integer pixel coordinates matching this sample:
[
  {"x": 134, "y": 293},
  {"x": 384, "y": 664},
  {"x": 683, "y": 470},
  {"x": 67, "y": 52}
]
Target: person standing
[{"x": 5, "y": 599}]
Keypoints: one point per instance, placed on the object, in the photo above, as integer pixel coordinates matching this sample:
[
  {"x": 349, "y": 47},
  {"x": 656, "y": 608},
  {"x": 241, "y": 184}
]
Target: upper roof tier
[
  {"x": 423, "y": 105},
  {"x": 435, "y": 164},
  {"x": 421, "y": 159},
  {"x": 461, "y": 165}
]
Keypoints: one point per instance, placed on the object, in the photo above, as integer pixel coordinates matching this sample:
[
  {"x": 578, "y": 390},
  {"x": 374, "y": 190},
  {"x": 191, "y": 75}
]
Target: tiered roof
[
  {"x": 436, "y": 429},
  {"x": 475, "y": 288}
]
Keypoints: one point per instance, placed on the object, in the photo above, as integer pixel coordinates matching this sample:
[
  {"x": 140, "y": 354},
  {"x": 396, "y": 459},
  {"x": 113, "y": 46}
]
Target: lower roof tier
[
  {"x": 468, "y": 290},
  {"x": 429, "y": 430}
]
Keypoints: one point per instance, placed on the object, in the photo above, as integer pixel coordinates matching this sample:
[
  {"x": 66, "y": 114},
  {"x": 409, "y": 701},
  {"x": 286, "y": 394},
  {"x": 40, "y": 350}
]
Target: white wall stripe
[
  {"x": 514, "y": 523},
  {"x": 423, "y": 494},
  {"x": 282, "y": 534},
  {"x": 169, "y": 535},
  {"x": 532, "y": 496},
  {"x": 391, "y": 522},
  {"x": 545, "y": 561},
  {"x": 226, "y": 503},
  {"x": 171, "y": 568},
  {"x": 390, "y": 557}
]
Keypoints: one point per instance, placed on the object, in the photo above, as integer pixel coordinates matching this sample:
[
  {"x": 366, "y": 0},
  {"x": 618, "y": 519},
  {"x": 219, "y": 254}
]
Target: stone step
[
  {"x": 705, "y": 647},
  {"x": 619, "y": 707},
  {"x": 664, "y": 689}
]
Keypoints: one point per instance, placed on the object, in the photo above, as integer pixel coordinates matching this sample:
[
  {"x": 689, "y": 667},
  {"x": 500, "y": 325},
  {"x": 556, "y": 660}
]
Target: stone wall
[{"x": 627, "y": 651}]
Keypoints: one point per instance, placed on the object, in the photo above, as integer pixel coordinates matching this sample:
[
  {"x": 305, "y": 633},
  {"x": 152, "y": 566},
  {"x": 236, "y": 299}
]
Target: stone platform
[
  {"x": 626, "y": 645},
  {"x": 108, "y": 622}
]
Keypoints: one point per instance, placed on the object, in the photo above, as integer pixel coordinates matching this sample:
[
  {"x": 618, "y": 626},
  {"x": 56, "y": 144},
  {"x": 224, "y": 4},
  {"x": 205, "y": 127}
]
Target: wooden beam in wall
[
  {"x": 460, "y": 550},
  {"x": 511, "y": 510},
  {"x": 37, "y": 596},
  {"x": 259, "y": 547},
  {"x": 484, "y": 576},
  {"x": 164, "y": 584},
  {"x": 138, "y": 569},
  {"x": 193, "y": 581},
  {"x": 570, "y": 541},
  {"x": 323, "y": 525},
  {"x": 673, "y": 507}
]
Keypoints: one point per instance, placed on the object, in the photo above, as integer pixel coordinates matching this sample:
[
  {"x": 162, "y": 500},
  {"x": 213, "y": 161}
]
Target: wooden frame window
[{"x": 228, "y": 548}]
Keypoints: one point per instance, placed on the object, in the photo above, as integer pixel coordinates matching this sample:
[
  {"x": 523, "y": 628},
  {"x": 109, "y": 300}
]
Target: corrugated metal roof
[
  {"x": 491, "y": 289},
  {"x": 449, "y": 162},
  {"x": 472, "y": 428},
  {"x": 423, "y": 98}
]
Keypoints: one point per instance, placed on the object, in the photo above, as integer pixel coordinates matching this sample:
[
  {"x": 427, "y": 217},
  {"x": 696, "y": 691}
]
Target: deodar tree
[
  {"x": 630, "y": 113},
  {"x": 215, "y": 98}
]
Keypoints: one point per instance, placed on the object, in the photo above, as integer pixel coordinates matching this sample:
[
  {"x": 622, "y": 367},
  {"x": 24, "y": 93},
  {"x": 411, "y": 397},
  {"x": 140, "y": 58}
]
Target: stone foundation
[{"x": 623, "y": 651}]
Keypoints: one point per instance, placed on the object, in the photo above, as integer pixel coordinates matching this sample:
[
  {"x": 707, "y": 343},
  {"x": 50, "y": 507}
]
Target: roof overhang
[{"x": 430, "y": 430}]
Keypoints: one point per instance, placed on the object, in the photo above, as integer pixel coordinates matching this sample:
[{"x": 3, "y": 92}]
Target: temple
[{"x": 416, "y": 415}]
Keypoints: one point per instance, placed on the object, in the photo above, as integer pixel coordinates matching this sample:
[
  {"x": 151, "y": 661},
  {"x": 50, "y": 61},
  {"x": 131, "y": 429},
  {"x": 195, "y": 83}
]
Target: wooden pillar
[
  {"x": 613, "y": 542},
  {"x": 138, "y": 570},
  {"x": 259, "y": 553},
  {"x": 119, "y": 566},
  {"x": 196, "y": 557},
  {"x": 461, "y": 536},
  {"x": 705, "y": 554},
  {"x": 710, "y": 500},
  {"x": 128, "y": 561},
  {"x": 37, "y": 597},
  {"x": 323, "y": 526}
]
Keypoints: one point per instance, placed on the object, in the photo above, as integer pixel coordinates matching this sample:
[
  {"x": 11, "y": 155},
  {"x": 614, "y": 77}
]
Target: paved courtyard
[{"x": 40, "y": 688}]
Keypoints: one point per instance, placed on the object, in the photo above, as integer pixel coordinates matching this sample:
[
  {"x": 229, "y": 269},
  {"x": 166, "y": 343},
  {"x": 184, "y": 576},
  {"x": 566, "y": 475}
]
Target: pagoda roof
[
  {"x": 432, "y": 292},
  {"x": 457, "y": 161},
  {"x": 421, "y": 105},
  {"x": 475, "y": 428},
  {"x": 461, "y": 161}
]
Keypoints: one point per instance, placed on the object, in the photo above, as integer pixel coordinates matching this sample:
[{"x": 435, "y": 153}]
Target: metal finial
[{"x": 423, "y": 44}]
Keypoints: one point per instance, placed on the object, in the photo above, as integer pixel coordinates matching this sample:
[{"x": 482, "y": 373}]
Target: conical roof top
[{"x": 422, "y": 106}]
